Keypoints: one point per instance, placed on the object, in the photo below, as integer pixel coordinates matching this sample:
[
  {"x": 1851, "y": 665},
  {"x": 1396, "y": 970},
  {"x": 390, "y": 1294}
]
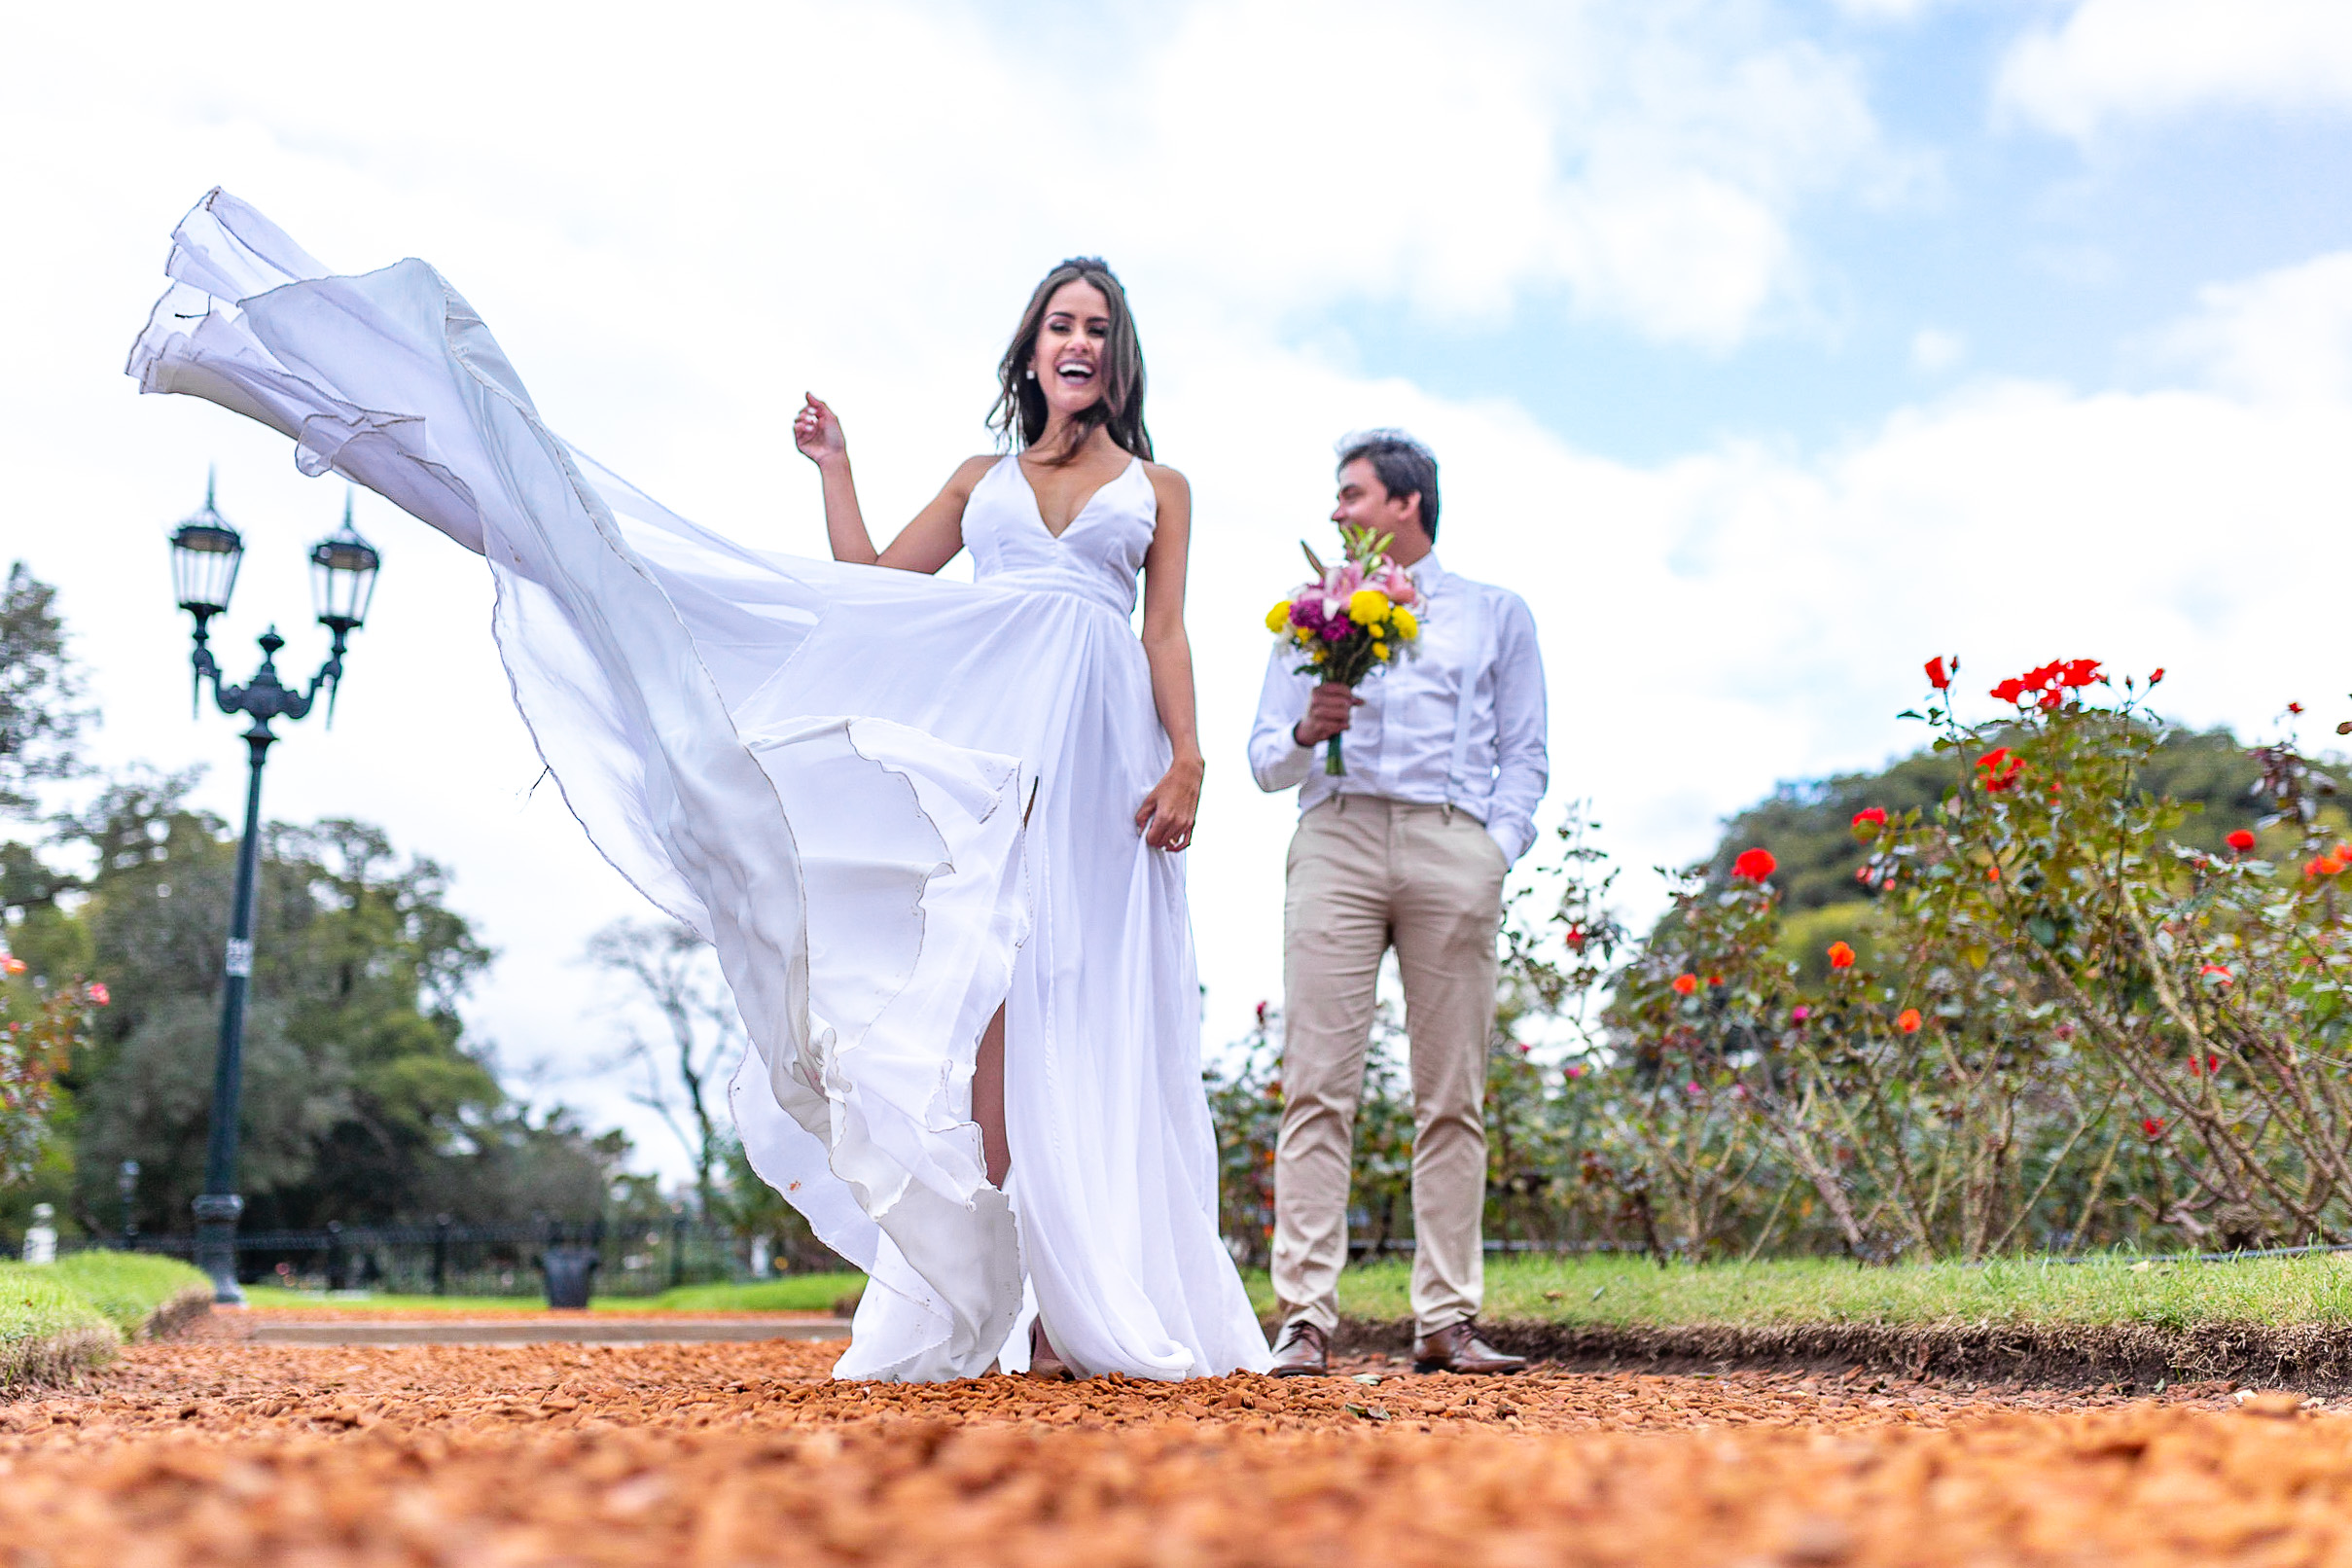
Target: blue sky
[
  {"x": 1768, "y": 348},
  {"x": 2038, "y": 254}
]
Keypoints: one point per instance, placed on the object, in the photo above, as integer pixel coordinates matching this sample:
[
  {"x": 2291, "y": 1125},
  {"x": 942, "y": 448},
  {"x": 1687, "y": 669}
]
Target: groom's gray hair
[{"x": 1405, "y": 466}]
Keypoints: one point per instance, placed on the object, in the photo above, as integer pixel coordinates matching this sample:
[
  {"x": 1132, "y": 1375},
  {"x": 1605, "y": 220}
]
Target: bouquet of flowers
[{"x": 1349, "y": 620}]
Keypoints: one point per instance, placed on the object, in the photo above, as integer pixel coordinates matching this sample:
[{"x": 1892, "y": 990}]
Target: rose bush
[{"x": 2056, "y": 1024}]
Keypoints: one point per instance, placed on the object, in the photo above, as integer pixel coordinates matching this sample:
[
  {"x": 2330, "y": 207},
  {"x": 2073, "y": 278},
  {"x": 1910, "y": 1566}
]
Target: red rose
[
  {"x": 2156, "y": 675},
  {"x": 1873, "y": 815},
  {"x": 2000, "y": 769},
  {"x": 1842, "y": 956},
  {"x": 2009, "y": 691},
  {"x": 1937, "y": 676},
  {"x": 1684, "y": 984},
  {"x": 2241, "y": 840},
  {"x": 1908, "y": 1021},
  {"x": 1754, "y": 864},
  {"x": 2153, "y": 1127}
]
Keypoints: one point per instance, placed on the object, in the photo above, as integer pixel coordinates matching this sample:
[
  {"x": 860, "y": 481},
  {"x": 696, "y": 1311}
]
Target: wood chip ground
[{"x": 719, "y": 1455}]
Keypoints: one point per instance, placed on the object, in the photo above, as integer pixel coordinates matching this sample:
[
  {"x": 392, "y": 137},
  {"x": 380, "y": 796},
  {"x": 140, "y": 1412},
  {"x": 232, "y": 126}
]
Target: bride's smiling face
[{"x": 1070, "y": 345}]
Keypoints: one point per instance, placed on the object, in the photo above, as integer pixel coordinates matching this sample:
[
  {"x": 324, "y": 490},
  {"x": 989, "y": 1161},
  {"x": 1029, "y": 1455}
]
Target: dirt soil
[{"x": 714, "y": 1455}]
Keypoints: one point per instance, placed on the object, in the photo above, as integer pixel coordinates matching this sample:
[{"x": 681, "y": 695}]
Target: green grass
[
  {"x": 793, "y": 1293},
  {"x": 49, "y": 1330},
  {"x": 35, "y": 1304},
  {"x": 1627, "y": 1292},
  {"x": 132, "y": 1287}
]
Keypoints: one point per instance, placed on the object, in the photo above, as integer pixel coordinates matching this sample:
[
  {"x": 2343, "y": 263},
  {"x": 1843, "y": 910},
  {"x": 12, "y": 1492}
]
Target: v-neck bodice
[{"x": 1096, "y": 557}]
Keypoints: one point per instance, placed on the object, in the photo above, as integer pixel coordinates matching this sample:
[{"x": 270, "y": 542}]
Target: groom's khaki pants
[{"x": 1367, "y": 874}]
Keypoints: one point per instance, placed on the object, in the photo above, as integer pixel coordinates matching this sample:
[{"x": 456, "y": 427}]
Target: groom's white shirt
[{"x": 1462, "y": 724}]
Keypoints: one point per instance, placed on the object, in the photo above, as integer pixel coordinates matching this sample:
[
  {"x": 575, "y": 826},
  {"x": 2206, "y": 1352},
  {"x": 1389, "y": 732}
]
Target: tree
[
  {"x": 674, "y": 972},
  {"x": 364, "y": 1102},
  {"x": 39, "y": 692}
]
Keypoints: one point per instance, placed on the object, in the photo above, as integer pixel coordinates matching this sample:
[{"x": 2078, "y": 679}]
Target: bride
[{"x": 931, "y": 828}]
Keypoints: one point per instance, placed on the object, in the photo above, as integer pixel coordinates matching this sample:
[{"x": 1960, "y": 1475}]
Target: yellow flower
[
  {"x": 1280, "y": 615},
  {"x": 1380, "y": 650},
  {"x": 1319, "y": 652},
  {"x": 1403, "y": 624},
  {"x": 1302, "y": 636},
  {"x": 1367, "y": 607}
]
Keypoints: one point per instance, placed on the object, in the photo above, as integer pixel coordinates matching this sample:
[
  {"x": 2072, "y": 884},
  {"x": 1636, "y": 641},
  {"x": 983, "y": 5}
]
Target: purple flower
[
  {"x": 1797, "y": 1015},
  {"x": 1336, "y": 628},
  {"x": 1307, "y": 613}
]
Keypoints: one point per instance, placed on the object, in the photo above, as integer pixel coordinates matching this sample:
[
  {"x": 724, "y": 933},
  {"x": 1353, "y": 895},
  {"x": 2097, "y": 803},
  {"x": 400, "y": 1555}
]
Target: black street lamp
[{"x": 204, "y": 556}]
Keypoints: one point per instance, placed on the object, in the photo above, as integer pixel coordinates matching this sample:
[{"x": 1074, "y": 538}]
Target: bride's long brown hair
[{"x": 1020, "y": 414}]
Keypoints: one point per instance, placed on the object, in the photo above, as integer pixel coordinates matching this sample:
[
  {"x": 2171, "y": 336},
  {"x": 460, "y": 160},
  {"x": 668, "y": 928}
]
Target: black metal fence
[{"x": 633, "y": 1257}]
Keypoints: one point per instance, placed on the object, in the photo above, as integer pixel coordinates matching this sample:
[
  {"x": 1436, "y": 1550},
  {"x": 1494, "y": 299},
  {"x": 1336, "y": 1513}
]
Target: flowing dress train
[{"x": 890, "y": 802}]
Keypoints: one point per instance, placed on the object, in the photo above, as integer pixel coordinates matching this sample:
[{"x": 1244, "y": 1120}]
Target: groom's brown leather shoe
[
  {"x": 1459, "y": 1349},
  {"x": 1303, "y": 1351}
]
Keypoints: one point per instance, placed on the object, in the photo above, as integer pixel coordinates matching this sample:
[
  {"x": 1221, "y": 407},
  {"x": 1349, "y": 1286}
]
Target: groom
[{"x": 1407, "y": 849}]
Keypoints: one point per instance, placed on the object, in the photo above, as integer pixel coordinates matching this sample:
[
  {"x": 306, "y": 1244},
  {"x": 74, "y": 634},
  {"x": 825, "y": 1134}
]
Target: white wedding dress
[{"x": 890, "y": 802}]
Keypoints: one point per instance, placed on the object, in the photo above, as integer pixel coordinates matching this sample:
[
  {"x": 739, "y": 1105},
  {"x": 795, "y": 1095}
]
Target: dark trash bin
[{"x": 568, "y": 1270}]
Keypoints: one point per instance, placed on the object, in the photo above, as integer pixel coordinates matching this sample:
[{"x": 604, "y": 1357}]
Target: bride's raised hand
[
  {"x": 1167, "y": 813},
  {"x": 817, "y": 430}
]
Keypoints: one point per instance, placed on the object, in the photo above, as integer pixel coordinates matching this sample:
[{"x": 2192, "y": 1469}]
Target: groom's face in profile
[{"x": 1365, "y": 503}]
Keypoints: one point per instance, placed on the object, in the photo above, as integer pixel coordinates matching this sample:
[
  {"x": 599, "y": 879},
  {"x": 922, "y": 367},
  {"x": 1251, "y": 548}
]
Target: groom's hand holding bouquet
[{"x": 1349, "y": 622}]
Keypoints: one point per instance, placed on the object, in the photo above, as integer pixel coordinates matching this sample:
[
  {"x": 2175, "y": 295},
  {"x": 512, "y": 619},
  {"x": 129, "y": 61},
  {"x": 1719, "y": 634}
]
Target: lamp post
[{"x": 205, "y": 552}]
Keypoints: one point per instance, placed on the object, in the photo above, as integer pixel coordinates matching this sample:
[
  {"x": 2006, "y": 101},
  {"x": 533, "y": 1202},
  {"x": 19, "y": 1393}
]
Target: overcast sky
[{"x": 1768, "y": 348}]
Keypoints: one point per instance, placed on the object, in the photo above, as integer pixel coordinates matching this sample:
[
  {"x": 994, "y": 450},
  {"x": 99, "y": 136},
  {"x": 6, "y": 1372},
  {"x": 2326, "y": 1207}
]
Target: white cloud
[
  {"x": 1886, "y": 10},
  {"x": 1935, "y": 349},
  {"x": 676, "y": 226},
  {"x": 2129, "y": 60},
  {"x": 2285, "y": 336}
]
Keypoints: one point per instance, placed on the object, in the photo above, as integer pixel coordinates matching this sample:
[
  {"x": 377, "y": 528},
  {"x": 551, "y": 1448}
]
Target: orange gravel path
[{"x": 719, "y": 1456}]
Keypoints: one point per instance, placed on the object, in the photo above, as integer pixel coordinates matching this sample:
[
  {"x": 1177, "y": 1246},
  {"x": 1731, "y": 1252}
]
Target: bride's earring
[{"x": 1030, "y": 374}]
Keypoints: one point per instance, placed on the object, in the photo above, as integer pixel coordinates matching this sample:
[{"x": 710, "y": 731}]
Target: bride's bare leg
[
  {"x": 988, "y": 1101},
  {"x": 989, "y": 1110}
]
